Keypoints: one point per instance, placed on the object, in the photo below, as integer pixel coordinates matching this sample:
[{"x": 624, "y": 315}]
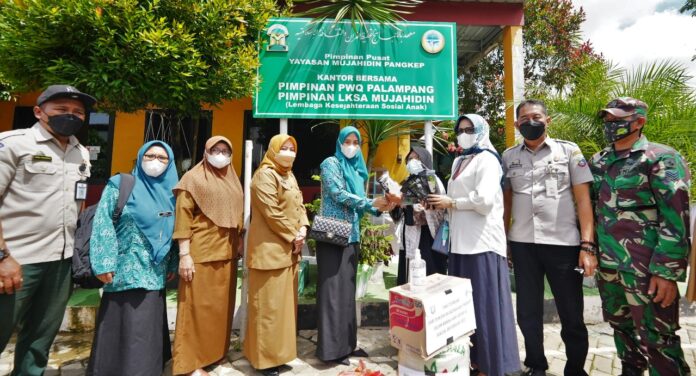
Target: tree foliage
[
  {"x": 553, "y": 50},
  {"x": 387, "y": 12},
  {"x": 689, "y": 6},
  {"x": 552, "y": 44},
  {"x": 132, "y": 54},
  {"x": 5, "y": 89},
  {"x": 662, "y": 85}
]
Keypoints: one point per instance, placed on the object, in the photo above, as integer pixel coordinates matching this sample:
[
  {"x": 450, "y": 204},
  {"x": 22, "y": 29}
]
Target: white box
[{"x": 426, "y": 321}]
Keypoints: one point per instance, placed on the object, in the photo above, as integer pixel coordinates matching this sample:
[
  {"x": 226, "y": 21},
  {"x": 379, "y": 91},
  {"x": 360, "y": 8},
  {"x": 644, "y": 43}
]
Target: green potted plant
[{"x": 375, "y": 247}]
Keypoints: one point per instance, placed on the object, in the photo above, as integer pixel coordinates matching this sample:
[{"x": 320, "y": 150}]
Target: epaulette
[
  {"x": 600, "y": 154},
  {"x": 12, "y": 133},
  {"x": 512, "y": 147},
  {"x": 565, "y": 142}
]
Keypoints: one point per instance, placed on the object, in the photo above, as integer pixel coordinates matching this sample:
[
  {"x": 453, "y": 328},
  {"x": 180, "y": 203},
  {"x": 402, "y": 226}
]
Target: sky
[{"x": 631, "y": 32}]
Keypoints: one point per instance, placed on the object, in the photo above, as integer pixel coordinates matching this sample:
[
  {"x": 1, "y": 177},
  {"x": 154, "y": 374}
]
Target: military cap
[{"x": 624, "y": 106}]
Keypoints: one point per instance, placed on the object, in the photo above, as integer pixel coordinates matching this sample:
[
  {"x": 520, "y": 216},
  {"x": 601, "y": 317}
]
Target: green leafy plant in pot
[{"x": 375, "y": 247}]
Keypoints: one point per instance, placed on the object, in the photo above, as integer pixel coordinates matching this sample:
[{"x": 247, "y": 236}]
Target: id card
[
  {"x": 80, "y": 190},
  {"x": 552, "y": 187}
]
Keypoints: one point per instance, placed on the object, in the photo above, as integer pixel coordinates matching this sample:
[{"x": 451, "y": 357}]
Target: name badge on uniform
[
  {"x": 552, "y": 187},
  {"x": 80, "y": 190},
  {"x": 41, "y": 158}
]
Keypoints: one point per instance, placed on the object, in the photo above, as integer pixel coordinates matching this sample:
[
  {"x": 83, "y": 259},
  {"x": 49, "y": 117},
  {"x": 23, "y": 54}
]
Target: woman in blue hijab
[
  {"x": 343, "y": 179},
  {"x": 132, "y": 257}
]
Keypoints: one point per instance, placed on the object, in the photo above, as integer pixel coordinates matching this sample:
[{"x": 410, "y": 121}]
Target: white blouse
[{"x": 476, "y": 221}]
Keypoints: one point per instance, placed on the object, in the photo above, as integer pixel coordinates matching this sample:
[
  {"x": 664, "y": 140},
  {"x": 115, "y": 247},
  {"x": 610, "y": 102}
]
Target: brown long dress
[
  {"x": 209, "y": 213},
  {"x": 277, "y": 215},
  {"x": 206, "y": 304}
]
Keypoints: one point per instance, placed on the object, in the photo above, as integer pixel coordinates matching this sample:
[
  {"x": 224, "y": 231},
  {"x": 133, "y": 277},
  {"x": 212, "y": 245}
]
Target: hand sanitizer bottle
[{"x": 416, "y": 273}]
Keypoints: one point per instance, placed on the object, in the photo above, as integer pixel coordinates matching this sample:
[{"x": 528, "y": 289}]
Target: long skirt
[
  {"x": 494, "y": 349},
  {"x": 131, "y": 335},
  {"x": 337, "y": 324},
  {"x": 204, "y": 316},
  {"x": 271, "y": 317}
]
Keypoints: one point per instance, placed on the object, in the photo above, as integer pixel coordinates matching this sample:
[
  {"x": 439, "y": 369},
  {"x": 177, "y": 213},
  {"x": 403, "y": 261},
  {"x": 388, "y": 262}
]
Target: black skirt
[
  {"x": 494, "y": 348},
  {"x": 337, "y": 323},
  {"x": 131, "y": 335}
]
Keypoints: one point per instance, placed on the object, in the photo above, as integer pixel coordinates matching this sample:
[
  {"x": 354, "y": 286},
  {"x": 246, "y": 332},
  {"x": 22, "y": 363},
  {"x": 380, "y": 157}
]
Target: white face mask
[
  {"x": 219, "y": 160},
  {"x": 466, "y": 140},
  {"x": 285, "y": 157},
  {"x": 349, "y": 150},
  {"x": 414, "y": 167},
  {"x": 153, "y": 168}
]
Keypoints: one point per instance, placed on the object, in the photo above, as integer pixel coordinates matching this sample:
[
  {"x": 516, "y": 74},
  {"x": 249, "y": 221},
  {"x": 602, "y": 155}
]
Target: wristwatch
[{"x": 4, "y": 253}]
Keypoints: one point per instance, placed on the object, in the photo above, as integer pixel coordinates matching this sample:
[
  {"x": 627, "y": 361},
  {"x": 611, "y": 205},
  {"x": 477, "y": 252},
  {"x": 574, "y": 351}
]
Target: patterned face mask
[{"x": 617, "y": 130}]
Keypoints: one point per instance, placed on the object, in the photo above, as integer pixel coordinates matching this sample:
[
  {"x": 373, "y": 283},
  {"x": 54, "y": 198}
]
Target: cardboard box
[
  {"x": 426, "y": 321},
  {"x": 453, "y": 360},
  {"x": 406, "y": 371}
]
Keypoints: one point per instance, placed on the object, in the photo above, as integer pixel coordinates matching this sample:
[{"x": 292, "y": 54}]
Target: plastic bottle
[{"x": 416, "y": 273}]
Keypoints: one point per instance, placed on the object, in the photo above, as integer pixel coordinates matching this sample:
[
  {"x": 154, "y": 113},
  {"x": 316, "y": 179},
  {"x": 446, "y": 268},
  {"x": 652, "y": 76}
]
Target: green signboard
[{"x": 327, "y": 71}]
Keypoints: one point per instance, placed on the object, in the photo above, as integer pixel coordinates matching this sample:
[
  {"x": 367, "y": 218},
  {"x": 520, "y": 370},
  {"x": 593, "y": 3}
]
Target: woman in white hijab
[{"x": 478, "y": 247}]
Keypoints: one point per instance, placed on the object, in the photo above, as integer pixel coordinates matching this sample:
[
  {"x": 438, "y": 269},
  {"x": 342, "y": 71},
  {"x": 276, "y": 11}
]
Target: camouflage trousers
[{"x": 641, "y": 328}]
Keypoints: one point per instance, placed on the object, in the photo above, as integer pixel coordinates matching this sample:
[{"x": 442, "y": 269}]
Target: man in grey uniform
[
  {"x": 43, "y": 173},
  {"x": 544, "y": 181}
]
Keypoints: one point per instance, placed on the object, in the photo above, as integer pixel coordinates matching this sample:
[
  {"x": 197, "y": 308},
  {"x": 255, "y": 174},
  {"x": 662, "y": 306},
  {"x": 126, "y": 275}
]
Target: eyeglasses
[
  {"x": 216, "y": 151},
  {"x": 467, "y": 130},
  {"x": 152, "y": 157}
]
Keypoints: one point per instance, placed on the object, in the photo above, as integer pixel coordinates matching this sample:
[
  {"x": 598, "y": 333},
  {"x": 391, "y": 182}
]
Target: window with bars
[{"x": 185, "y": 134}]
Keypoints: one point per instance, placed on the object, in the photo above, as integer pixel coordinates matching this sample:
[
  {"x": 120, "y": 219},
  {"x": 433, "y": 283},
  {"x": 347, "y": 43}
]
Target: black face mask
[
  {"x": 531, "y": 130},
  {"x": 65, "y": 124},
  {"x": 617, "y": 130}
]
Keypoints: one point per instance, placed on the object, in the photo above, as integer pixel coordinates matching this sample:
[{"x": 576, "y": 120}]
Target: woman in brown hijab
[
  {"x": 209, "y": 210},
  {"x": 276, "y": 235}
]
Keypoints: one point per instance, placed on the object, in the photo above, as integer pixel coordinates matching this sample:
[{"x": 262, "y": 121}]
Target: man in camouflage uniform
[{"x": 642, "y": 207}]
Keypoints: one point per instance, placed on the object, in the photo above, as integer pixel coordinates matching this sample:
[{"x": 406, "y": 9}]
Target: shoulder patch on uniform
[{"x": 671, "y": 175}]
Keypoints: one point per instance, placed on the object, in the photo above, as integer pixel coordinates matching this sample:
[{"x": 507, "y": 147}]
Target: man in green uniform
[
  {"x": 43, "y": 173},
  {"x": 642, "y": 207}
]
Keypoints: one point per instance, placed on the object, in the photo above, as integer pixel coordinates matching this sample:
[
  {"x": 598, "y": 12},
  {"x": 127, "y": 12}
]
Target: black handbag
[{"x": 330, "y": 230}]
